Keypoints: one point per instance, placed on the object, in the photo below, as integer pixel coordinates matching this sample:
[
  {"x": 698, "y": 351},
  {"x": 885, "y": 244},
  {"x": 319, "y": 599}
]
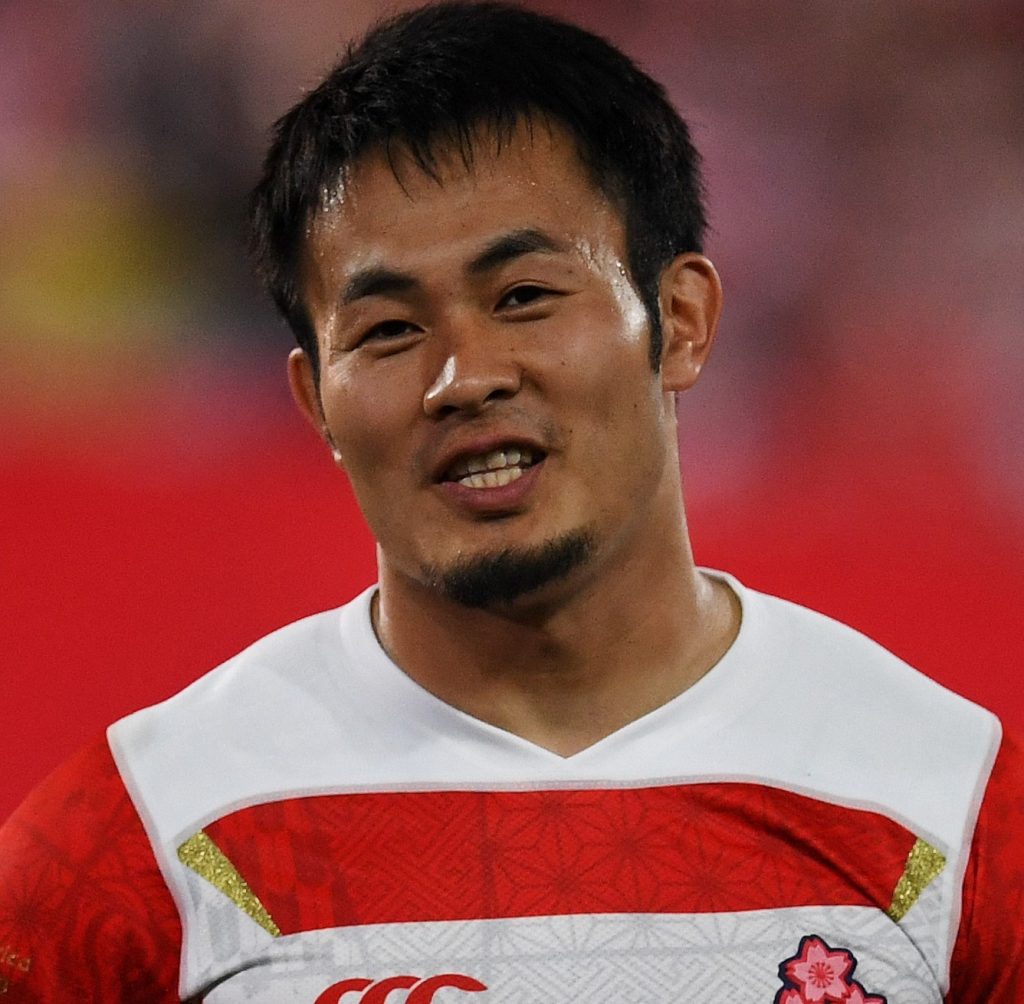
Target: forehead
[{"x": 533, "y": 177}]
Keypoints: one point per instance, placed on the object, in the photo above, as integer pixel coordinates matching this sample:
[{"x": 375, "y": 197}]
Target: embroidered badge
[{"x": 820, "y": 974}]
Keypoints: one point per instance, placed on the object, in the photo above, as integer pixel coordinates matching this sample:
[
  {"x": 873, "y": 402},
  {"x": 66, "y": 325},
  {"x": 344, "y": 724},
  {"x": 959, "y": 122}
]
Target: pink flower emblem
[
  {"x": 789, "y": 997},
  {"x": 859, "y": 996},
  {"x": 819, "y": 972}
]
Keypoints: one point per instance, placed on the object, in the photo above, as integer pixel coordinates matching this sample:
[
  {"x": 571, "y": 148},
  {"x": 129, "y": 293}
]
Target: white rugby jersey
[{"x": 796, "y": 827}]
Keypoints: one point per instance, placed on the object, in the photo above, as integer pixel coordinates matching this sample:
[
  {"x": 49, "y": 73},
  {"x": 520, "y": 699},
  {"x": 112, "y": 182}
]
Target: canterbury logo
[{"x": 360, "y": 991}]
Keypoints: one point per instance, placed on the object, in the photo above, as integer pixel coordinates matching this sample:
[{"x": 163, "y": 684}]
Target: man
[{"x": 546, "y": 758}]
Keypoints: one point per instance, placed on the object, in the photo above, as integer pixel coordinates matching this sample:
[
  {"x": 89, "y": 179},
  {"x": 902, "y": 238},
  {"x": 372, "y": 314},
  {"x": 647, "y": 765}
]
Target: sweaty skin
[{"x": 485, "y": 314}]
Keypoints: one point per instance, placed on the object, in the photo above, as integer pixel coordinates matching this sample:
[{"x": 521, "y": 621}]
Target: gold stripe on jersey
[
  {"x": 207, "y": 860},
  {"x": 924, "y": 864}
]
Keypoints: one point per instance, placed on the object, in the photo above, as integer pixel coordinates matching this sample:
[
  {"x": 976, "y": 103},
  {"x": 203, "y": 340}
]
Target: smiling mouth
[{"x": 494, "y": 469}]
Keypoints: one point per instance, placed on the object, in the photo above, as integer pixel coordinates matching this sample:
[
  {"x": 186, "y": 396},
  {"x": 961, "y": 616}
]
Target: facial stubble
[{"x": 505, "y": 576}]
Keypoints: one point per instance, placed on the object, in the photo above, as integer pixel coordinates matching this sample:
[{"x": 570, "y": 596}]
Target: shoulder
[
  {"x": 988, "y": 959},
  {"x": 258, "y": 693},
  {"x": 276, "y": 717},
  {"x": 84, "y": 910},
  {"x": 286, "y": 658},
  {"x": 865, "y": 688},
  {"x": 873, "y": 732},
  {"x": 847, "y": 719},
  {"x": 85, "y": 906}
]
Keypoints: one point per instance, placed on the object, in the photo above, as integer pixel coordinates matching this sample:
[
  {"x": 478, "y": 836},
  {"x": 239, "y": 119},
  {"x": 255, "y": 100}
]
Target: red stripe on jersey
[{"x": 340, "y": 860}]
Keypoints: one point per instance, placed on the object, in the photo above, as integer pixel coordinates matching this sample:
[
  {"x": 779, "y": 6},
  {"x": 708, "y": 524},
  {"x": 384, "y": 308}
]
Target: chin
[{"x": 504, "y": 577}]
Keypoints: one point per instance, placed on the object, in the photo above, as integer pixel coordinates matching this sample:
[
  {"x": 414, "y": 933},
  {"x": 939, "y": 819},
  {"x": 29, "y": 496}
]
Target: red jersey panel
[
  {"x": 401, "y": 857},
  {"x": 85, "y": 914},
  {"x": 988, "y": 961}
]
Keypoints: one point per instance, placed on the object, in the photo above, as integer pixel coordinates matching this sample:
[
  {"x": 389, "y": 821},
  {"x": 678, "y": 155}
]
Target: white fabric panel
[{"x": 711, "y": 958}]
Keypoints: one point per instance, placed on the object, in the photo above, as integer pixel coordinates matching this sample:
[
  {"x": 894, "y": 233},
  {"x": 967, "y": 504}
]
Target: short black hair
[{"x": 433, "y": 77}]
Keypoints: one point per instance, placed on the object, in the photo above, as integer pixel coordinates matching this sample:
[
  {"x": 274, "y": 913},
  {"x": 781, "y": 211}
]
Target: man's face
[{"x": 485, "y": 378}]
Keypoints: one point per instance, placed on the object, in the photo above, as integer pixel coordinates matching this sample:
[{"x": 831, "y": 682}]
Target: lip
[{"x": 496, "y": 501}]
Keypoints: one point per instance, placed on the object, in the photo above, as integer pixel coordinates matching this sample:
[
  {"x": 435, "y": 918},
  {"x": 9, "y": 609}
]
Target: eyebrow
[
  {"x": 513, "y": 245},
  {"x": 376, "y": 281},
  {"x": 381, "y": 281}
]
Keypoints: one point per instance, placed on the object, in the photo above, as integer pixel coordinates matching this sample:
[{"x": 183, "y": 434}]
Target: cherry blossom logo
[{"x": 820, "y": 974}]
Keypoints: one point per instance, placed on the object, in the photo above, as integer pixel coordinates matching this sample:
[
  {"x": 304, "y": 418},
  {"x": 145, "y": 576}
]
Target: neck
[{"x": 576, "y": 664}]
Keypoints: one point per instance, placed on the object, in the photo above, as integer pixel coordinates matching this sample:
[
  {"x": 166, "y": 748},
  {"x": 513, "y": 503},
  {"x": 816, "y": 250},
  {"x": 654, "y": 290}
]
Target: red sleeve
[
  {"x": 988, "y": 960},
  {"x": 85, "y": 914}
]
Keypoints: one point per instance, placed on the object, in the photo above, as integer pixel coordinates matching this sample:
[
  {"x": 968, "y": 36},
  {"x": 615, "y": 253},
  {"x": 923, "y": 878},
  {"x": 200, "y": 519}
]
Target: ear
[
  {"x": 691, "y": 302},
  {"x": 302, "y": 383}
]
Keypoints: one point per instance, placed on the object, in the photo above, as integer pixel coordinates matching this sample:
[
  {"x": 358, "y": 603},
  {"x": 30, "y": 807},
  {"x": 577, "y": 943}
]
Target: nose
[{"x": 476, "y": 370}]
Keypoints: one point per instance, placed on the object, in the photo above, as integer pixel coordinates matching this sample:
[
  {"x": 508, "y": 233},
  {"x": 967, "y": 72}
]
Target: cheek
[
  {"x": 607, "y": 366},
  {"x": 361, "y": 421}
]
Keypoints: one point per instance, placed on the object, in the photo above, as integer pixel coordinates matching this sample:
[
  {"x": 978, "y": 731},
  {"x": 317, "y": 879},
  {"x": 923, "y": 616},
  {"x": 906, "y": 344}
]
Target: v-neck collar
[{"x": 718, "y": 697}]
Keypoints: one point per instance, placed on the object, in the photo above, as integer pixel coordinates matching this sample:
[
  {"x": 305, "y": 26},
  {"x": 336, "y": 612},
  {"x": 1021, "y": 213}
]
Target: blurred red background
[{"x": 855, "y": 445}]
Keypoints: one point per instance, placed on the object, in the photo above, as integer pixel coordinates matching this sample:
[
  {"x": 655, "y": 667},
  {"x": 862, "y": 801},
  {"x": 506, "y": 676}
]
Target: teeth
[
  {"x": 492, "y": 479},
  {"x": 496, "y": 460}
]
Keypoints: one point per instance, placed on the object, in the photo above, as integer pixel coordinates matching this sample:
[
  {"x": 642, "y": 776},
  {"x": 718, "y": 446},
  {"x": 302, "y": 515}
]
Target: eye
[
  {"x": 389, "y": 331},
  {"x": 523, "y": 296}
]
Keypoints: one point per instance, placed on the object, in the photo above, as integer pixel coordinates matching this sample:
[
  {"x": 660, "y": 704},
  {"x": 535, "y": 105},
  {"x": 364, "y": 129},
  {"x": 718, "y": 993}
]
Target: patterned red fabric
[
  {"x": 458, "y": 855},
  {"x": 85, "y": 915},
  {"x": 988, "y": 961}
]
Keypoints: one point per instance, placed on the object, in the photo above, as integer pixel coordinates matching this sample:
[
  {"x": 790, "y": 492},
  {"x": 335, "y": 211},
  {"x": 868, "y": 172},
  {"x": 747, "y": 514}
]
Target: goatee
[{"x": 503, "y": 577}]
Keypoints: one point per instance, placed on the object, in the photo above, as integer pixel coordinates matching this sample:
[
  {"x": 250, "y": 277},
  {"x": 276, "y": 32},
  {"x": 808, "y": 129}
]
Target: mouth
[{"x": 493, "y": 469}]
